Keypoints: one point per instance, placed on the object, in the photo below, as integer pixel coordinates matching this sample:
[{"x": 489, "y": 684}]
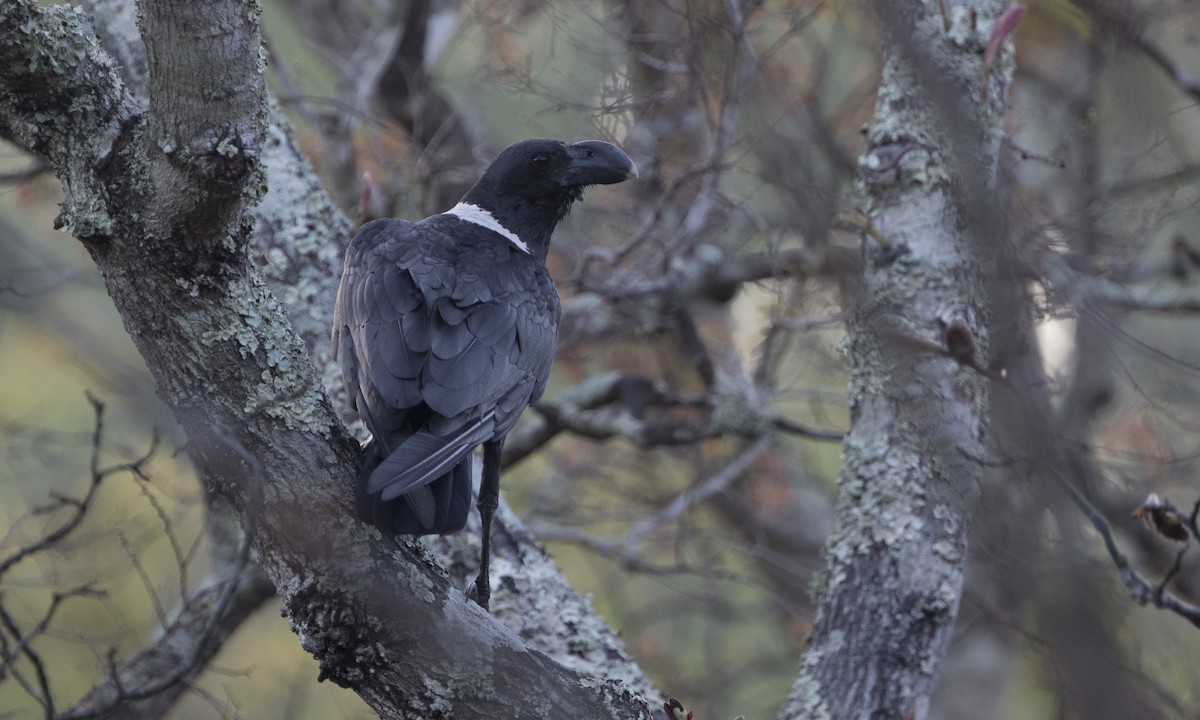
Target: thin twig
[
  {"x": 168, "y": 527},
  {"x": 35, "y": 168},
  {"x": 795, "y": 428},
  {"x": 159, "y": 611},
  {"x": 1141, "y": 590},
  {"x": 98, "y": 475},
  {"x": 43, "y": 696},
  {"x": 693, "y": 496},
  {"x": 25, "y": 640}
]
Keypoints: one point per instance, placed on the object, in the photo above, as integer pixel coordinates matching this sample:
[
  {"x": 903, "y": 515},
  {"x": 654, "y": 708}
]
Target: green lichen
[
  {"x": 412, "y": 577},
  {"x": 816, "y": 587},
  {"x": 287, "y": 389},
  {"x": 58, "y": 39},
  {"x": 293, "y": 186},
  {"x": 242, "y": 332},
  {"x": 86, "y": 216},
  {"x": 228, "y": 149},
  {"x": 437, "y": 698}
]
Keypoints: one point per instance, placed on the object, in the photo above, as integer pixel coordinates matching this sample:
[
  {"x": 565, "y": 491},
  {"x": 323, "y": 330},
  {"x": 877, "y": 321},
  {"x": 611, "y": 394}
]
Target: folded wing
[{"x": 437, "y": 359}]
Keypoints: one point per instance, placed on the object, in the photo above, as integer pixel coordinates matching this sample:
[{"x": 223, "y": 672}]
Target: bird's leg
[{"x": 489, "y": 500}]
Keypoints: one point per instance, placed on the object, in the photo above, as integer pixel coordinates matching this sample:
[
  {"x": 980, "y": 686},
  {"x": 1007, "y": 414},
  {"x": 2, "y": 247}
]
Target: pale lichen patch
[
  {"x": 58, "y": 40},
  {"x": 287, "y": 389},
  {"x": 806, "y": 700}
]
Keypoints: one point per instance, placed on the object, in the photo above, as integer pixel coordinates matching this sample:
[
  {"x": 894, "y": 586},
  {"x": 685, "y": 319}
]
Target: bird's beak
[{"x": 595, "y": 162}]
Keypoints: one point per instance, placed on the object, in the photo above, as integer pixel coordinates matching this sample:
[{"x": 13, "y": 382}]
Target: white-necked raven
[{"x": 445, "y": 330}]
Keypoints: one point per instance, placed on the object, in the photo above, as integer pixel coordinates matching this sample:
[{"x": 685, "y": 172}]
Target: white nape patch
[{"x": 483, "y": 218}]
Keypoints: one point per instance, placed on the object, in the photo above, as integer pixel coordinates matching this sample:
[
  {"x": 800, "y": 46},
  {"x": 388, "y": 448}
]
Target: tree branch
[
  {"x": 174, "y": 196},
  {"x": 1140, "y": 588},
  {"x": 149, "y": 684}
]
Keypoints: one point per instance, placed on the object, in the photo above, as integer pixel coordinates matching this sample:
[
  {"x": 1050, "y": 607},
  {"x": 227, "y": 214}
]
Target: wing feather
[
  {"x": 442, "y": 349},
  {"x": 449, "y": 341}
]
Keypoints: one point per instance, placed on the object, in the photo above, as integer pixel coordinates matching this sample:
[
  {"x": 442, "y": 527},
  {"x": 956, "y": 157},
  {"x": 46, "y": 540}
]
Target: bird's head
[{"x": 530, "y": 186}]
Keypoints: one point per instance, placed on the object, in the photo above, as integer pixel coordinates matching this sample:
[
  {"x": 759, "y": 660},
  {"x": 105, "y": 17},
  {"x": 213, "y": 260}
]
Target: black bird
[{"x": 445, "y": 331}]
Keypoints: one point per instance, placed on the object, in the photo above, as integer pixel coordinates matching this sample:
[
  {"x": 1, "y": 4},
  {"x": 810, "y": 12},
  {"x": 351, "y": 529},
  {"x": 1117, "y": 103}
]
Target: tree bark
[
  {"x": 162, "y": 195},
  {"x": 914, "y": 456}
]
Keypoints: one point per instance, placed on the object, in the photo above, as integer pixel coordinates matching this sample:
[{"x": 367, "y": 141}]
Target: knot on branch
[
  {"x": 231, "y": 160},
  {"x": 339, "y": 635},
  {"x": 222, "y": 163}
]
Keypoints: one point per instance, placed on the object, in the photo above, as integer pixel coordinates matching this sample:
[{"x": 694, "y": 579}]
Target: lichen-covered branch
[{"x": 63, "y": 98}]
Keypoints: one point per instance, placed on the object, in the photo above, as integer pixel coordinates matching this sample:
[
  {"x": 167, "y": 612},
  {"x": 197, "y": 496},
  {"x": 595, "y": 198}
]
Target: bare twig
[
  {"x": 718, "y": 482},
  {"x": 213, "y": 599},
  {"x": 80, "y": 506},
  {"x": 181, "y": 557},
  {"x": 24, "y": 648},
  {"x": 1142, "y": 591},
  {"x": 42, "y": 693},
  {"x": 615, "y": 404},
  {"x": 35, "y": 168},
  {"x": 795, "y": 428},
  {"x": 24, "y": 640},
  {"x": 105, "y": 700},
  {"x": 130, "y": 552},
  {"x": 618, "y": 550}
]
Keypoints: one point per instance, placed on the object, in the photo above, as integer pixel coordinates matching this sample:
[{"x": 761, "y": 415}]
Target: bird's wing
[
  {"x": 462, "y": 336},
  {"x": 381, "y": 329},
  {"x": 494, "y": 335}
]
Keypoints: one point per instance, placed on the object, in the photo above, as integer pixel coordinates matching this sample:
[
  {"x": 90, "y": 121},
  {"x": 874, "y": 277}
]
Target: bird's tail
[{"x": 440, "y": 507}]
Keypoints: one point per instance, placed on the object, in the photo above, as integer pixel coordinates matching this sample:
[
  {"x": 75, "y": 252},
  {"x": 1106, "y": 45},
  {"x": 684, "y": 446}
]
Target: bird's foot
[{"x": 480, "y": 592}]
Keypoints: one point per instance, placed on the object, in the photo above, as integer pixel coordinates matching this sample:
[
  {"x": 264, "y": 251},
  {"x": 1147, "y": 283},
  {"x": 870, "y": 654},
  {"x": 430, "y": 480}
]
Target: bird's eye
[{"x": 541, "y": 162}]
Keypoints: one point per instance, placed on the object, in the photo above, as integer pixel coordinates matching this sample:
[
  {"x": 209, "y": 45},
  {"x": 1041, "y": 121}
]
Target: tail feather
[
  {"x": 425, "y": 456},
  {"x": 439, "y": 507}
]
